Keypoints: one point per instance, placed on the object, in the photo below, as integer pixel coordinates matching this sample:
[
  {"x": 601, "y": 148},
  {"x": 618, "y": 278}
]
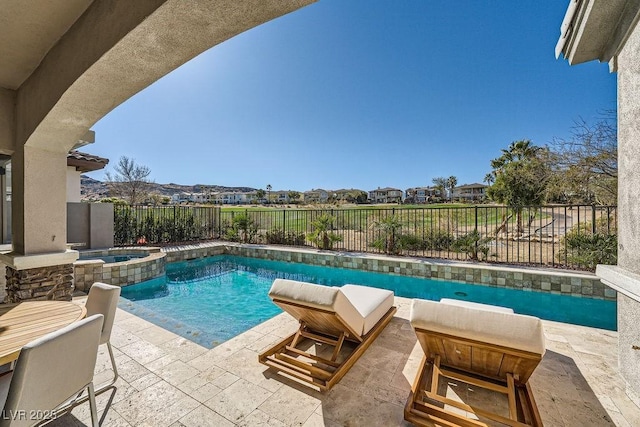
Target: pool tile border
[
  {"x": 87, "y": 272},
  {"x": 560, "y": 282}
]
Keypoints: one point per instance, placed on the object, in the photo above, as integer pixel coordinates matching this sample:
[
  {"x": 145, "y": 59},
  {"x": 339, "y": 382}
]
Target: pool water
[
  {"x": 213, "y": 299},
  {"x": 110, "y": 259}
]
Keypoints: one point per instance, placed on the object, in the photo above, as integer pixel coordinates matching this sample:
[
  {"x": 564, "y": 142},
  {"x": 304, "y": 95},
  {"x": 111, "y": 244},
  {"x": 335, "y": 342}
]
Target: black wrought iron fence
[
  {"x": 565, "y": 236},
  {"x": 140, "y": 225}
]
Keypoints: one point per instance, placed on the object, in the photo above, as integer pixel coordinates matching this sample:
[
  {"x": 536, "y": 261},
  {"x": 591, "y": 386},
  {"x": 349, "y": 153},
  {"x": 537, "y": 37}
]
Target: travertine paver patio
[{"x": 167, "y": 380}]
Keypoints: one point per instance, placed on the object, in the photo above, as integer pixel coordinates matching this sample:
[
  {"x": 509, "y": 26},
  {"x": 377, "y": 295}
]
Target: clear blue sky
[{"x": 361, "y": 94}]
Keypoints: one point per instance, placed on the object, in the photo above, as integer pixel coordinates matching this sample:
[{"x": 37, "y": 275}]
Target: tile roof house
[
  {"x": 470, "y": 192},
  {"x": 421, "y": 194},
  {"x": 317, "y": 195},
  {"x": 385, "y": 195}
]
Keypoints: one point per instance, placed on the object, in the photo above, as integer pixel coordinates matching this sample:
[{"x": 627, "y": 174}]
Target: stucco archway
[{"x": 67, "y": 63}]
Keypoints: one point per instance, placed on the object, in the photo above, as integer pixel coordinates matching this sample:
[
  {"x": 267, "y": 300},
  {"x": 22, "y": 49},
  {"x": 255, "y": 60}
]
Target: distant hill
[{"x": 93, "y": 189}]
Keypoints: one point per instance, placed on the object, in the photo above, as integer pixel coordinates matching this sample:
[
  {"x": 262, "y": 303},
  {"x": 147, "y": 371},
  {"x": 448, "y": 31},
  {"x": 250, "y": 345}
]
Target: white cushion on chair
[
  {"x": 5, "y": 382},
  {"x": 318, "y": 296},
  {"x": 476, "y": 305},
  {"x": 371, "y": 303},
  {"x": 103, "y": 299},
  {"x": 490, "y": 326}
]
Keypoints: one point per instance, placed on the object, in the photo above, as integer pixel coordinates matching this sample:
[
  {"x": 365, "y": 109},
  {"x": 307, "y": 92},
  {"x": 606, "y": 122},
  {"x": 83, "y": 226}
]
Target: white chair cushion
[
  {"x": 103, "y": 299},
  {"x": 371, "y": 303},
  {"x": 5, "y": 382},
  {"x": 476, "y": 305},
  {"x": 490, "y": 326},
  {"x": 318, "y": 296}
]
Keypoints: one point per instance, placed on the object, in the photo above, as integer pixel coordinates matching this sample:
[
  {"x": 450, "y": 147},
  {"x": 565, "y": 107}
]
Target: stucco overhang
[
  {"x": 64, "y": 64},
  {"x": 596, "y": 29},
  {"x": 28, "y": 30}
]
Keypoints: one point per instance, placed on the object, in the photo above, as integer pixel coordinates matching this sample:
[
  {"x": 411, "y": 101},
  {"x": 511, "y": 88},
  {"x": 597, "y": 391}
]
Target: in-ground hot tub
[
  {"x": 110, "y": 259},
  {"x": 117, "y": 266}
]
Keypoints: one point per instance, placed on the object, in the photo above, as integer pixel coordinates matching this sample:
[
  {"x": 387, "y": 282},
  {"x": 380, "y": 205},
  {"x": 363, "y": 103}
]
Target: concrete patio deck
[{"x": 167, "y": 380}]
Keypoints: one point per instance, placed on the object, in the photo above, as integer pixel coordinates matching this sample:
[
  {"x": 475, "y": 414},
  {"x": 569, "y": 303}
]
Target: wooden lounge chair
[
  {"x": 483, "y": 346},
  {"x": 347, "y": 319}
]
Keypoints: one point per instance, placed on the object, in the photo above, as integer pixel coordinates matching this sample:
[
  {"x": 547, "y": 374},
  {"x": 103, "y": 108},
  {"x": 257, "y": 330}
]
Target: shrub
[
  {"x": 584, "y": 249},
  {"x": 388, "y": 239},
  {"x": 438, "y": 240},
  {"x": 322, "y": 236},
  {"x": 133, "y": 225},
  {"x": 125, "y": 225},
  {"x": 242, "y": 229},
  {"x": 411, "y": 242},
  {"x": 474, "y": 245},
  {"x": 280, "y": 237}
]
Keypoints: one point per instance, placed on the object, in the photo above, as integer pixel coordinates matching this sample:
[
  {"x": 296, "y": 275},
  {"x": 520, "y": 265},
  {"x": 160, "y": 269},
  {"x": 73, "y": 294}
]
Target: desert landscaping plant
[
  {"x": 322, "y": 235},
  {"x": 281, "y": 237},
  {"x": 586, "y": 246},
  {"x": 243, "y": 228},
  {"x": 474, "y": 245},
  {"x": 388, "y": 239}
]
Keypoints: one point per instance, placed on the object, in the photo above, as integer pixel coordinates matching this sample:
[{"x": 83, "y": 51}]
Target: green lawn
[
  {"x": 243, "y": 208},
  {"x": 417, "y": 218}
]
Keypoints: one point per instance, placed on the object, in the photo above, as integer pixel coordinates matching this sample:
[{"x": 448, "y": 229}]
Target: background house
[
  {"x": 385, "y": 195},
  {"x": 470, "y": 192},
  {"x": 317, "y": 195},
  {"x": 351, "y": 195},
  {"x": 279, "y": 196},
  {"x": 421, "y": 194}
]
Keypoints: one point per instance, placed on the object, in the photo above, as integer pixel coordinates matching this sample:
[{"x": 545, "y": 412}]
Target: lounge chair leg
[
  {"x": 338, "y": 347},
  {"x": 296, "y": 337},
  {"x": 513, "y": 410},
  {"x": 92, "y": 405}
]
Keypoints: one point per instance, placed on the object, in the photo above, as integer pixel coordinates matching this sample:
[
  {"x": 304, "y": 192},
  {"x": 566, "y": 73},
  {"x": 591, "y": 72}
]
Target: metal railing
[
  {"x": 562, "y": 236},
  {"x": 160, "y": 225}
]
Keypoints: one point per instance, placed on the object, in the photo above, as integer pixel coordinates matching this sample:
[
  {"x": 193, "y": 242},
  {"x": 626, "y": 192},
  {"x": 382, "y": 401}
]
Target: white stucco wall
[
  {"x": 628, "y": 206},
  {"x": 73, "y": 184}
]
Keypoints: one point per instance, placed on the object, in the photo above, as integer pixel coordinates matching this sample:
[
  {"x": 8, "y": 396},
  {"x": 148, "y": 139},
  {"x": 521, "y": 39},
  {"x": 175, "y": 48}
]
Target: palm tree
[
  {"x": 520, "y": 177},
  {"x": 517, "y": 150},
  {"x": 489, "y": 178},
  {"x": 440, "y": 183},
  {"x": 389, "y": 228},
  {"x": 452, "y": 181},
  {"x": 322, "y": 235},
  {"x": 269, "y": 193}
]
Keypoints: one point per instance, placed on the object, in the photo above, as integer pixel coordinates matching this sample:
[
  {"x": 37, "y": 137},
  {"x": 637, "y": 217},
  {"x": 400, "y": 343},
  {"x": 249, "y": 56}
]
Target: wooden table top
[{"x": 24, "y": 322}]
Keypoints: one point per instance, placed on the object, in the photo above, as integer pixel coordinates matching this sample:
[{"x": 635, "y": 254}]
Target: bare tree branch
[{"x": 129, "y": 181}]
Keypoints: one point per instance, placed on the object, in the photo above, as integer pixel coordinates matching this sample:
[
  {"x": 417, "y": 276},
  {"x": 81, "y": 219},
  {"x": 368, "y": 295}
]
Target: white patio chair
[
  {"x": 50, "y": 372},
  {"x": 103, "y": 299}
]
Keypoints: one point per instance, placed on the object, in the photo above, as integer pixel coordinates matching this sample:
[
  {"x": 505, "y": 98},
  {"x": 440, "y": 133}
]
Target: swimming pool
[{"x": 213, "y": 299}]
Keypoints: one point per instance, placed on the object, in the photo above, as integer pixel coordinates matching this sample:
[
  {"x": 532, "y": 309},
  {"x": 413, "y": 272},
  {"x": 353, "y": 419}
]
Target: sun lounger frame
[
  {"x": 498, "y": 368},
  {"x": 322, "y": 326}
]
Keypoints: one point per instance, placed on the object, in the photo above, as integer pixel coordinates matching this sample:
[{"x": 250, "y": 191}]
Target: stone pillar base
[
  {"x": 41, "y": 283},
  {"x": 39, "y": 277}
]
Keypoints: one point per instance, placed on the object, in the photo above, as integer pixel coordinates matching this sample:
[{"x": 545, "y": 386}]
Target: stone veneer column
[
  {"x": 40, "y": 266},
  {"x": 41, "y": 283}
]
